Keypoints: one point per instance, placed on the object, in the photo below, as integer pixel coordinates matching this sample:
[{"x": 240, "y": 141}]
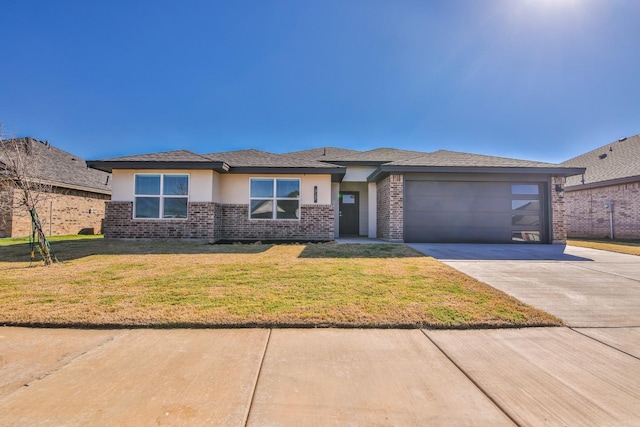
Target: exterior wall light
[{"x": 560, "y": 190}]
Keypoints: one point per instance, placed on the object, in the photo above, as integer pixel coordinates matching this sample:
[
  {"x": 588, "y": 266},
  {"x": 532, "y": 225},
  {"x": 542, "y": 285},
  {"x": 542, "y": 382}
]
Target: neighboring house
[
  {"x": 75, "y": 196},
  {"x": 325, "y": 193},
  {"x": 606, "y": 198}
]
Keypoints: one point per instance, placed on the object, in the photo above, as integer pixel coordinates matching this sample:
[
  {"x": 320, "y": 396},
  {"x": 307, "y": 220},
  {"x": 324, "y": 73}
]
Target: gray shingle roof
[
  {"x": 167, "y": 156},
  {"x": 57, "y": 167},
  {"x": 257, "y": 158},
  {"x": 615, "y": 161},
  {"x": 447, "y": 158},
  {"x": 178, "y": 159},
  {"x": 378, "y": 155},
  {"x": 324, "y": 154}
]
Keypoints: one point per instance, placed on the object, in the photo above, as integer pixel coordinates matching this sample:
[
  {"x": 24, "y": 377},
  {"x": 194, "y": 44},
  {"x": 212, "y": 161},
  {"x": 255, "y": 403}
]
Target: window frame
[
  {"x": 274, "y": 199},
  {"x": 161, "y": 196}
]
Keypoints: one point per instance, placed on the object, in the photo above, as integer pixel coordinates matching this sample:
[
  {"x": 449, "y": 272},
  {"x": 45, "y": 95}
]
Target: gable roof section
[
  {"x": 52, "y": 166},
  {"x": 444, "y": 161},
  {"x": 614, "y": 163}
]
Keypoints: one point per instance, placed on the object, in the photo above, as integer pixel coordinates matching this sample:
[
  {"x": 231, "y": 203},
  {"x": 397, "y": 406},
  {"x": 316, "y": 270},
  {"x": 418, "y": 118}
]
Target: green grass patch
[
  {"x": 630, "y": 247},
  {"x": 164, "y": 283}
]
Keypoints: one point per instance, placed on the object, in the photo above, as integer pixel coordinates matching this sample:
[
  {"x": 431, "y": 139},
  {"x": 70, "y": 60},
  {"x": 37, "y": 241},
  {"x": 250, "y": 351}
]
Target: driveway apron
[{"x": 583, "y": 287}]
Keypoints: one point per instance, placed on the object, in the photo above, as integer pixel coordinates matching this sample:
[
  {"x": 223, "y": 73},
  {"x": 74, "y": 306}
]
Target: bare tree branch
[{"x": 19, "y": 172}]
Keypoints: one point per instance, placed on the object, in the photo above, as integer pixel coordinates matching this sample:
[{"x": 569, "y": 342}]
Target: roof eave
[
  {"x": 356, "y": 162},
  {"x": 385, "y": 170},
  {"x": 607, "y": 183},
  {"x": 109, "y": 165},
  {"x": 68, "y": 186}
]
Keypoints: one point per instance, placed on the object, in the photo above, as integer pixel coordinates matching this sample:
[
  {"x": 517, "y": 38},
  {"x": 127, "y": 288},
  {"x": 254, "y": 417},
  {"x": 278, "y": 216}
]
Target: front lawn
[
  {"x": 631, "y": 247},
  {"x": 178, "y": 283}
]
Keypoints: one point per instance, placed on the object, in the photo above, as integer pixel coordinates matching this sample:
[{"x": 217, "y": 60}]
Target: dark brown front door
[{"x": 349, "y": 213}]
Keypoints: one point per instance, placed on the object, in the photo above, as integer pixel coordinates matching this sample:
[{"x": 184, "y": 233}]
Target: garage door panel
[
  {"x": 424, "y": 203},
  {"x": 472, "y": 212},
  {"x": 462, "y": 235},
  {"x": 464, "y": 189},
  {"x": 450, "y": 219}
]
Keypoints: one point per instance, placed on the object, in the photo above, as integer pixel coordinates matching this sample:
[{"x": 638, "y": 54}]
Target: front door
[{"x": 349, "y": 213}]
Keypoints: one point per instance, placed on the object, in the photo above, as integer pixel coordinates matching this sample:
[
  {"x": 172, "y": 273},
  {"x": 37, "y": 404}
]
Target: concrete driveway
[
  {"x": 584, "y": 287},
  {"x": 292, "y": 377}
]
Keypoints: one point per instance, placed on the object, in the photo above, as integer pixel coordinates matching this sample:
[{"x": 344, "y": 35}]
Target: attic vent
[
  {"x": 74, "y": 159},
  {"x": 603, "y": 156},
  {"x": 622, "y": 139}
]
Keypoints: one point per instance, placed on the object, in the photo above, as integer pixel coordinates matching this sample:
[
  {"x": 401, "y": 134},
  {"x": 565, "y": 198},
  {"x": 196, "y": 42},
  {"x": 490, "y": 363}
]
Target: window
[
  {"x": 161, "y": 196},
  {"x": 272, "y": 198},
  {"x": 525, "y": 189}
]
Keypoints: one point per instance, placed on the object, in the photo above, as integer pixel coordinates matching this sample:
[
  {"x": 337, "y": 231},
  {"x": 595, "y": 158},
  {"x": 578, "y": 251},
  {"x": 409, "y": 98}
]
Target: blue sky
[{"x": 536, "y": 79}]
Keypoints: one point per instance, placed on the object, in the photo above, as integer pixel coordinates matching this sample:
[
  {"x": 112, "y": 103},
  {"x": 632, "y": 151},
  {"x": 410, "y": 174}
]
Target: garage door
[{"x": 473, "y": 212}]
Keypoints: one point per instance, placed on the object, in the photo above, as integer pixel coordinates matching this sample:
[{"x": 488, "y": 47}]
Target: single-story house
[
  {"x": 326, "y": 193},
  {"x": 74, "y": 196},
  {"x": 604, "y": 201}
]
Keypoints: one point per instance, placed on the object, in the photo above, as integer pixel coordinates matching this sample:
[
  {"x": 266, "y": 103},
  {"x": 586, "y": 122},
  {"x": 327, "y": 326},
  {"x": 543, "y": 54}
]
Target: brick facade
[
  {"x": 316, "y": 223},
  {"x": 61, "y": 212},
  {"x": 558, "y": 223},
  {"x": 213, "y": 221},
  {"x": 200, "y": 223},
  {"x": 390, "y": 209},
  {"x": 587, "y": 216}
]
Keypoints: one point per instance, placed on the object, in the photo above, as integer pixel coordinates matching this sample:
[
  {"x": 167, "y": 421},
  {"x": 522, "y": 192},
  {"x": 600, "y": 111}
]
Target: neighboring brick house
[
  {"x": 75, "y": 198},
  {"x": 325, "y": 193},
  {"x": 606, "y": 198}
]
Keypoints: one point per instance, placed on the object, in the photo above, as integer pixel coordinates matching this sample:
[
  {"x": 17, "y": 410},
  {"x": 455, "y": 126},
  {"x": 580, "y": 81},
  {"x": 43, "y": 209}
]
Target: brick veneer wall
[
  {"x": 200, "y": 223},
  {"x": 390, "y": 213},
  {"x": 316, "y": 223},
  {"x": 61, "y": 212},
  {"x": 213, "y": 221},
  {"x": 587, "y": 217},
  {"x": 558, "y": 222}
]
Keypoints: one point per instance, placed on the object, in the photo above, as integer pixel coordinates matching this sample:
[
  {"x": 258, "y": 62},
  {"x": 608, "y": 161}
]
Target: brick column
[
  {"x": 390, "y": 221},
  {"x": 558, "y": 228}
]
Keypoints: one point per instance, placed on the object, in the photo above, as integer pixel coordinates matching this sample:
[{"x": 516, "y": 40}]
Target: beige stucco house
[{"x": 326, "y": 193}]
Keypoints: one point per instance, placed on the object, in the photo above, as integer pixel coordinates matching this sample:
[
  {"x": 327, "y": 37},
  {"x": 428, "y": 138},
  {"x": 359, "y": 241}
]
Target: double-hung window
[
  {"x": 161, "y": 196},
  {"x": 275, "y": 198}
]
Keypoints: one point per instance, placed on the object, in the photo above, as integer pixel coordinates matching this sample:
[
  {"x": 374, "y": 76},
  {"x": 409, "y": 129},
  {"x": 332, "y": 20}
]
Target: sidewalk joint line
[
  {"x": 255, "y": 385},
  {"x": 602, "y": 342},
  {"x": 56, "y": 369},
  {"x": 473, "y": 381}
]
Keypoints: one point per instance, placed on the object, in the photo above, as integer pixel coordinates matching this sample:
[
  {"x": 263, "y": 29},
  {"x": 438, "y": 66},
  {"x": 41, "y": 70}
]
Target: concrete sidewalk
[
  {"x": 585, "y": 374},
  {"x": 318, "y": 377}
]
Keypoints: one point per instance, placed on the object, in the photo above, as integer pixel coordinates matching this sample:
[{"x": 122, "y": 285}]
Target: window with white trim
[
  {"x": 274, "y": 198},
  {"x": 161, "y": 196}
]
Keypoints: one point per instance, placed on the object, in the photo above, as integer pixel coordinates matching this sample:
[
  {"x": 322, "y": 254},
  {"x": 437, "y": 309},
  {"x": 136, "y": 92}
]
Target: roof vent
[
  {"x": 622, "y": 139},
  {"x": 603, "y": 156}
]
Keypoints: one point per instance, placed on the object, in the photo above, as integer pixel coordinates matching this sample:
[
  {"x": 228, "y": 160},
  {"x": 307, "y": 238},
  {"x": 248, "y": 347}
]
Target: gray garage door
[{"x": 473, "y": 212}]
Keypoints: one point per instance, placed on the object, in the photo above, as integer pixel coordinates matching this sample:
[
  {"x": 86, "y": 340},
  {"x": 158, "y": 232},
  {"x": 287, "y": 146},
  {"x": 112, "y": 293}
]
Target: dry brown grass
[
  {"x": 630, "y": 247},
  {"x": 127, "y": 283}
]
